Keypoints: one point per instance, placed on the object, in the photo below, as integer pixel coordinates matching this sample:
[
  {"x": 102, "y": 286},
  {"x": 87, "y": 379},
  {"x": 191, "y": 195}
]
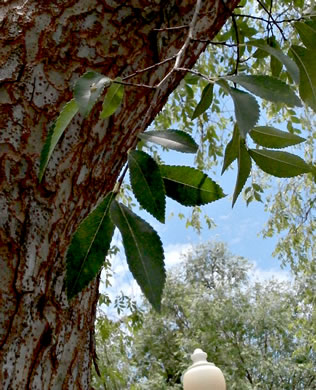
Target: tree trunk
[{"x": 45, "y": 342}]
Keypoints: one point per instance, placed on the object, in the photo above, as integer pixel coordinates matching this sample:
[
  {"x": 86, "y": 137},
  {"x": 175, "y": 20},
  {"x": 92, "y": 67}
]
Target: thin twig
[
  {"x": 172, "y": 28},
  {"x": 272, "y": 18},
  {"x": 135, "y": 84},
  {"x": 182, "y": 51},
  {"x": 203, "y": 76},
  {"x": 222, "y": 43},
  {"x": 150, "y": 67},
  {"x": 237, "y": 42}
]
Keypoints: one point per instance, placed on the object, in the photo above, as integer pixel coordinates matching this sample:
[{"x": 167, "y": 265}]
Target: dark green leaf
[
  {"x": 55, "y": 132},
  {"x": 279, "y": 164},
  {"x": 113, "y": 99},
  {"x": 307, "y": 32},
  {"x": 89, "y": 247},
  {"x": 143, "y": 251},
  {"x": 147, "y": 183},
  {"x": 244, "y": 168},
  {"x": 232, "y": 149},
  {"x": 173, "y": 139},
  {"x": 290, "y": 65},
  {"x": 88, "y": 89},
  {"x": 275, "y": 66},
  {"x": 189, "y": 186},
  {"x": 306, "y": 61},
  {"x": 270, "y": 137},
  {"x": 268, "y": 88},
  {"x": 205, "y": 102}
]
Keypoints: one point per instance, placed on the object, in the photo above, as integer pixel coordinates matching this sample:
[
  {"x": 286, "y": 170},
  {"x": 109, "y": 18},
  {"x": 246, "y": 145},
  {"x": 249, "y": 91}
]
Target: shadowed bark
[{"x": 45, "y": 342}]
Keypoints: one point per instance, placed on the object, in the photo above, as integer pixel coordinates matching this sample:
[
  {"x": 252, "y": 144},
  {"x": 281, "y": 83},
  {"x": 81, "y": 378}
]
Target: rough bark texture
[{"x": 45, "y": 342}]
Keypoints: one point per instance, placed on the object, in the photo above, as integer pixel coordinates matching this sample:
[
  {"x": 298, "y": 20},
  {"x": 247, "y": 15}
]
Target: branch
[
  {"x": 272, "y": 18},
  {"x": 182, "y": 51}
]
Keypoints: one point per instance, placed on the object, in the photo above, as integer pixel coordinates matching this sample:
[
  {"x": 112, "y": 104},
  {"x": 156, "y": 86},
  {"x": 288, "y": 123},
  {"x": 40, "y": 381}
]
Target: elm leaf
[
  {"x": 55, "y": 132},
  {"x": 147, "y": 183},
  {"x": 88, "y": 248},
  {"x": 279, "y": 164},
  {"x": 268, "y": 88},
  {"x": 205, "y": 102},
  {"x": 189, "y": 186},
  {"x": 231, "y": 150},
  {"x": 244, "y": 168},
  {"x": 143, "y": 250},
  {"x": 306, "y": 61},
  {"x": 88, "y": 89},
  {"x": 173, "y": 139},
  {"x": 112, "y": 99},
  {"x": 271, "y": 137}
]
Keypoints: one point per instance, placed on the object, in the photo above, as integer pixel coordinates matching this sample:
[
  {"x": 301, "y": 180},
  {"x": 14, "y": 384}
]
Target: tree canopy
[{"x": 260, "y": 333}]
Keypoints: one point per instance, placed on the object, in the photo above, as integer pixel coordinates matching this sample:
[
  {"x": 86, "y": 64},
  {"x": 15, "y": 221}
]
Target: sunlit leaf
[
  {"x": 55, "y": 132},
  {"x": 88, "y": 248},
  {"x": 244, "y": 169},
  {"x": 205, "y": 102},
  {"x": 189, "y": 186},
  {"x": 147, "y": 183},
  {"x": 232, "y": 149},
  {"x": 270, "y": 137},
  {"x": 143, "y": 250},
  {"x": 268, "y": 88},
  {"x": 279, "y": 164},
  {"x": 173, "y": 139},
  {"x": 113, "y": 99},
  {"x": 88, "y": 89},
  {"x": 306, "y": 61}
]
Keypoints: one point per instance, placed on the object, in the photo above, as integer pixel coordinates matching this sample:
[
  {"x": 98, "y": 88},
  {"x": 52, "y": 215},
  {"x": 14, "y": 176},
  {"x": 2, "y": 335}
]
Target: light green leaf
[
  {"x": 173, "y": 139},
  {"x": 306, "y": 61},
  {"x": 244, "y": 169},
  {"x": 88, "y": 89},
  {"x": 246, "y": 108},
  {"x": 279, "y": 164},
  {"x": 55, "y": 132},
  {"x": 290, "y": 65},
  {"x": 147, "y": 183},
  {"x": 205, "y": 102},
  {"x": 88, "y": 248},
  {"x": 189, "y": 186},
  {"x": 268, "y": 88},
  {"x": 143, "y": 250},
  {"x": 271, "y": 137},
  {"x": 232, "y": 149},
  {"x": 113, "y": 99},
  {"x": 307, "y": 32}
]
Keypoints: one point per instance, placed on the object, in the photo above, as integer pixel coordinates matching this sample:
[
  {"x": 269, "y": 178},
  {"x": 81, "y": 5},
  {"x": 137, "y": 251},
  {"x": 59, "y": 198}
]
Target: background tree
[{"x": 258, "y": 333}]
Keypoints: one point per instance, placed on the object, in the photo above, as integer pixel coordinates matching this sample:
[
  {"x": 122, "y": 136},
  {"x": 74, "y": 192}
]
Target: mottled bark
[{"x": 45, "y": 342}]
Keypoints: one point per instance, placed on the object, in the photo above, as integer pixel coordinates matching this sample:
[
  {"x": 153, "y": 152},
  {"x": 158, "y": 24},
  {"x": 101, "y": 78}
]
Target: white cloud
[
  {"x": 258, "y": 274},
  {"x": 174, "y": 252}
]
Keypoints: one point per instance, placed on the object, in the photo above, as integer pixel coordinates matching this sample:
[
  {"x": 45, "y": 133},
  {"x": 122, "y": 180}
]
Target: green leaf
[
  {"x": 246, "y": 108},
  {"x": 306, "y": 61},
  {"x": 143, "y": 250},
  {"x": 244, "y": 168},
  {"x": 205, "y": 102},
  {"x": 89, "y": 247},
  {"x": 307, "y": 32},
  {"x": 173, "y": 139},
  {"x": 279, "y": 164},
  {"x": 55, "y": 132},
  {"x": 88, "y": 89},
  {"x": 189, "y": 186},
  {"x": 268, "y": 88},
  {"x": 113, "y": 99},
  {"x": 147, "y": 183},
  {"x": 289, "y": 64},
  {"x": 271, "y": 137},
  {"x": 275, "y": 66},
  {"x": 232, "y": 149}
]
